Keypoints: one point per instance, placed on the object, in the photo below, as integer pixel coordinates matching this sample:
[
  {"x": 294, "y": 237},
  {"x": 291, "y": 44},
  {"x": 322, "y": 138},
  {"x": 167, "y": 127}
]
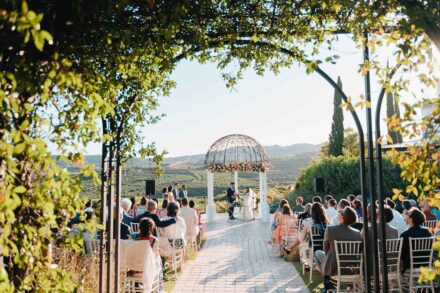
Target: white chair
[
  {"x": 191, "y": 239},
  {"x": 291, "y": 227},
  {"x": 394, "y": 252},
  {"x": 431, "y": 225},
  {"x": 421, "y": 254},
  {"x": 349, "y": 258},
  {"x": 92, "y": 246},
  {"x": 316, "y": 239},
  {"x": 134, "y": 227},
  {"x": 138, "y": 256},
  {"x": 177, "y": 257}
]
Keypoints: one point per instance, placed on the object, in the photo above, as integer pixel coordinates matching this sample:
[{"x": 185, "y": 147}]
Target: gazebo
[{"x": 237, "y": 153}]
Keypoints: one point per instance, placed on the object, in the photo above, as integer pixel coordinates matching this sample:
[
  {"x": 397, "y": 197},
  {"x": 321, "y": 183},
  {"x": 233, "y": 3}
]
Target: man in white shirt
[
  {"x": 191, "y": 219},
  {"x": 341, "y": 205},
  {"x": 331, "y": 211},
  {"x": 398, "y": 221}
]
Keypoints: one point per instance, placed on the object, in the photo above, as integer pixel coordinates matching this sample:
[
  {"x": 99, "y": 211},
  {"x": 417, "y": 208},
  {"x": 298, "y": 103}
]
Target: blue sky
[{"x": 291, "y": 107}]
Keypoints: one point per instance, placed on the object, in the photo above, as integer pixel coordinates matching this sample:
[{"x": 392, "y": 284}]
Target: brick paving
[{"x": 237, "y": 258}]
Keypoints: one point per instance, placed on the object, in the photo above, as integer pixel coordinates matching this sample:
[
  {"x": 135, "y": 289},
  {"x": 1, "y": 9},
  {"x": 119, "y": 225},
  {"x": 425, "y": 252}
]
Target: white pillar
[
  {"x": 210, "y": 209},
  {"x": 236, "y": 181},
  {"x": 265, "y": 211}
]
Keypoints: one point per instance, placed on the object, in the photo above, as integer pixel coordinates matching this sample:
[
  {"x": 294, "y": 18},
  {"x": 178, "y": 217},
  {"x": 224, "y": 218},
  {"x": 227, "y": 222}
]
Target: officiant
[
  {"x": 249, "y": 199},
  {"x": 231, "y": 194}
]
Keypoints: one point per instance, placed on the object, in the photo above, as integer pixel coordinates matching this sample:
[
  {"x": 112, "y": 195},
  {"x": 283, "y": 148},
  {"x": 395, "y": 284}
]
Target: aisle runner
[{"x": 236, "y": 258}]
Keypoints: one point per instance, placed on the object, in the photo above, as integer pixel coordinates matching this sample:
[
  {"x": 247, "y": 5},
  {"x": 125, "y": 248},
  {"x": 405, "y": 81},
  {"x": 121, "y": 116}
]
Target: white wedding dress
[{"x": 248, "y": 205}]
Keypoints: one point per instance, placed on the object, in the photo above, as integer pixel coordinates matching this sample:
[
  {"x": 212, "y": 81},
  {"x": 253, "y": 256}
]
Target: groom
[{"x": 230, "y": 195}]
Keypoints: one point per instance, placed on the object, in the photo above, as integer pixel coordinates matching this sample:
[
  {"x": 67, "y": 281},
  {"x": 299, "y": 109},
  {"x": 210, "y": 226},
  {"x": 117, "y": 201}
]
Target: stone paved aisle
[{"x": 237, "y": 258}]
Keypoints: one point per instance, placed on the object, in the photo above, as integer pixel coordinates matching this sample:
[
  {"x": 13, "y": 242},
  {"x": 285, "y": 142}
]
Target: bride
[{"x": 248, "y": 204}]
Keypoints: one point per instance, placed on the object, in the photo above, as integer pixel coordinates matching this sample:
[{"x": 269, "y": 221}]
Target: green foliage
[
  {"x": 393, "y": 109},
  {"x": 350, "y": 147},
  {"x": 342, "y": 177},
  {"x": 336, "y": 137}
]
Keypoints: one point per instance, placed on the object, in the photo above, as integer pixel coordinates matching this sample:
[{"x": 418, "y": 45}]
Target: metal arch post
[{"x": 103, "y": 214}]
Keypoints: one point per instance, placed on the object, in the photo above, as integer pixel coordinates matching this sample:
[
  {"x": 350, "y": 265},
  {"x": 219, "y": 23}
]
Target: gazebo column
[
  {"x": 210, "y": 209},
  {"x": 236, "y": 181},
  {"x": 264, "y": 210}
]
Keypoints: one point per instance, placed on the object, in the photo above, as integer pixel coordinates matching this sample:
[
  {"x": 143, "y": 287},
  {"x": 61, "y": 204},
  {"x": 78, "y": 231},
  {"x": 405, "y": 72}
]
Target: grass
[{"x": 317, "y": 284}]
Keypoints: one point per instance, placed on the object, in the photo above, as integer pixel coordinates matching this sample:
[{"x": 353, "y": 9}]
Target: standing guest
[
  {"x": 306, "y": 214},
  {"x": 184, "y": 192},
  {"x": 151, "y": 213},
  {"x": 357, "y": 205},
  {"x": 327, "y": 198},
  {"x": 142, "y": 207},
  {"x": 192, "y": 205},
  {"x": 163, "y": 211},
  {"x": 316, "y": 198},
  {"x": 191, "y": 219},
  {"x": 343, "y": 203},
  {"x": 426, "y": 209},
  {"x": 171, "y": 197},
  {"x": 176, "y": 191},
  {"x": 299, "y": 208},
  {"x": 175, "y": 232},
  {"x": 230, "y": 195},
  {"x": 414, "y": 219},
  {"x": 398, "y": 221},
  {"x": 165, "y": 193},
  {"x": 331, "y": 211},
  {"x": 132, "y": 211},
  {"x": 126, "y": 205},
  {"x": 326, "y": 258},
  {"x": 351, "y": 198}
]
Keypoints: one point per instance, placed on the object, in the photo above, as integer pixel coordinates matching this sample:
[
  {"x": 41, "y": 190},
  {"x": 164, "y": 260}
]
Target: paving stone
[{"x": 237, "y": 258}]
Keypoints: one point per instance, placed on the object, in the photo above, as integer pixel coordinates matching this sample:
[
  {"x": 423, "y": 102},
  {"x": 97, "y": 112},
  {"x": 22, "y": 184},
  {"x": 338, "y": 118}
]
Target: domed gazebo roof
[{"x": 236, "y": 152}]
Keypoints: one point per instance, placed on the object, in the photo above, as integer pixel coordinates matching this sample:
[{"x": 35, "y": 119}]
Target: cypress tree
[
  {"x": 390, "y": 113},
  {"x": 336, "y": 137},
  {"x": 397, "y": 111}
]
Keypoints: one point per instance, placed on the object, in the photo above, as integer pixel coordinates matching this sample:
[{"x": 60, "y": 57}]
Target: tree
[
  {"x": 391, "y": 106},
  {"x": 398, "y": 135},
  {"x": 336, "y": 137},
  {"x": 350, "y": 147}
]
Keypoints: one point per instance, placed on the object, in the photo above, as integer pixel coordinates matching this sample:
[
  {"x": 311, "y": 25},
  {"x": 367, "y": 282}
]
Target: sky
[{"x": 284, "y": 109}]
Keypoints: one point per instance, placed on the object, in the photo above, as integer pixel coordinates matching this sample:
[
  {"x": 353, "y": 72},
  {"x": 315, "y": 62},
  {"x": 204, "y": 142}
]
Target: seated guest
[
  {"x": 162, "y": 213},
  {"x": 146, "y": 232},
  {"x": 406, "y": 205},
  {"x": 426, "y": 209},
  {"x": 175, "y": 232},
  {"x": 319, "y": 221},
  {"x": 327, "y": 198},
  {"x": 280, "y": 231},
  {"x": 398, "y": 221},
  {"x": 343, "y": 203},
  {"x": 414, "y": 219},
  {"x": 151, "y": 213},
  {"x": 278, "y": 213},
  {"x": 357, "y": 205},
  {"x": 190, "y": 217},
  {"x": 132, "y": 211},
  {"x": 125, "y": 229},
  {"x": 390, "y": 231},
  {"x": 126, "y": 205},
  {"x": 192, "y": 205},
  {"x": 331, "y": 211},
  {"x": 326, "y": 259},
  {"x": 316, "y": 198},
  {"x": 351, "y": 198},
  {"x": 142, "y": 207},
  {"x": 306, "y": 214},
  {"x": 298, "y": 208}
]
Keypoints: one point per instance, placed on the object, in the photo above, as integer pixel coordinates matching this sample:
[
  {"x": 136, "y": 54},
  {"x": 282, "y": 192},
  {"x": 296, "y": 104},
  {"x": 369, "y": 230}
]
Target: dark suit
[
  {"x": 157, "y": 221},
  {"x": 230, "y": 197},
  {"x": 338, "y": 233},
  {"x": 125, "y": 231},
  {"x": 413, "y": 232}
]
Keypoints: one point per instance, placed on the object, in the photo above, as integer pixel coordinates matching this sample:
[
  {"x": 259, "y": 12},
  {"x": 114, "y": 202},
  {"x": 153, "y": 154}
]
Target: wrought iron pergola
[{"x": 237, "y": 153}]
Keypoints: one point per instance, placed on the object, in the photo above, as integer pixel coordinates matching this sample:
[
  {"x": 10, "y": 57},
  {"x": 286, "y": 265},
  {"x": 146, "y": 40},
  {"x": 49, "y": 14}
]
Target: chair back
[
  {"x": 134, "y": 227},
  {"x": 291, "y": 225},
  {"x": 431, "y": 225},
  {"x": 349, "y": 258},
  {"x": 421, "y": 252},
  {"x": 394, "y": 252},
  {"x": 316, "y": 238}
]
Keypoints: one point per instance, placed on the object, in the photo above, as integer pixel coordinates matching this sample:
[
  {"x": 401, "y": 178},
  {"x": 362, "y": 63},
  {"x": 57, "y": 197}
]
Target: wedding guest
[
  {"x": 184, "y": 192},
  {"x": 125, "y": 229},
  {"x": 327, "y": 198},
  {"x": 165, "y": 193},
  {"x": 280, "y": 230},
  {"x": 326, "y": 258},
  {"x": 357, "y": 205},
  {"x": 151, "y": 213},
  {"x": 176, "y": 191},
  {"x": 316, "y": 198},
  {"x": 306, "y": 214},
  {"x": 426, "y": 209},
  {"x": 351, "y": 198},
  {"x": 142, "y": 207},
  {"x": 163, "y": 211},
  {"x": 190, "y": 217},
  {"x": 398, "y": 221},
  {"x": 146, "y": 232},
  {"x": 390, "y": 231},
  {"x": 299, "y": 208},
  {"x": 176, "y": 231},
  {"x": 414, "y": 219},
  {"x": 406, "y": 205},
  {"x": 192, "y": 205},
  {"x": 230, "y": 195},
  {"x": 331, "y": 211},
  {"x": 171, "y": 197},
  {"x": 126, "y": 205},
  {"x": 343, "y": 203},
  {"x": 132, "y": 211},
  {"x": 278, "y": 213}
]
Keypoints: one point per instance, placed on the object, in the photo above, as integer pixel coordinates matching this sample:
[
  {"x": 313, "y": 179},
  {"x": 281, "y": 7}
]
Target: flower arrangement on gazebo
[{"x": 237, "y": 153}]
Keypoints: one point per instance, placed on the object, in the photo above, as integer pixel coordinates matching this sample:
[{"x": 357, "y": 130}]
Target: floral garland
[{"x": 239, "y": 167}]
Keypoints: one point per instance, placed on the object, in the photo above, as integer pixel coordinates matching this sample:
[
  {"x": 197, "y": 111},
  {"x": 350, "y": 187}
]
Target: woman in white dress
[{"x": 248, "y": 204}]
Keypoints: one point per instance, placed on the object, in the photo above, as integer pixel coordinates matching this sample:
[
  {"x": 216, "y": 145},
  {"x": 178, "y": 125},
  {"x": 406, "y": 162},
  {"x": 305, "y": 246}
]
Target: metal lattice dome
[{"x": 236, "y": 152}]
